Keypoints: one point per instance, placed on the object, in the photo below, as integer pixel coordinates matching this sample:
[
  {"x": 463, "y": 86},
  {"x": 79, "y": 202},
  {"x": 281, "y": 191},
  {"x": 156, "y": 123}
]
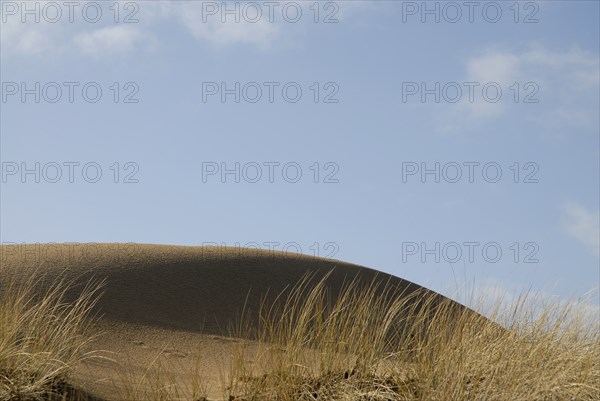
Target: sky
[{"x": 454, "y": 144}]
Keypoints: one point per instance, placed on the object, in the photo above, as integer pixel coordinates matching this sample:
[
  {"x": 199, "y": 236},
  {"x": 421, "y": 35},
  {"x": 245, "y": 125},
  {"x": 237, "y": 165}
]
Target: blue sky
[{"x": 388, "y": 76}]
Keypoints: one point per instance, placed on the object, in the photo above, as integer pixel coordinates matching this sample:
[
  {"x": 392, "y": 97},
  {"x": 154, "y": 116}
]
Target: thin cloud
[
  {"x": 260, "y": 34},
  {"x": 29, "y": 38},
  {"x": 565, "y": 82},
  {"x": 494, "y": 67},
  {"x": 113, "y": 39},
  {"x": 107, "y": 38},
  {"x": 47, "y": 38},
  {"x": 583, "y": 225}
]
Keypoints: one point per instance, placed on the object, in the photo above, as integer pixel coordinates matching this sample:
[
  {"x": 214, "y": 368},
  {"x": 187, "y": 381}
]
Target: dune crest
[
  {"x": 181, "y": 287},
  {"x": 178, "y": 302}
]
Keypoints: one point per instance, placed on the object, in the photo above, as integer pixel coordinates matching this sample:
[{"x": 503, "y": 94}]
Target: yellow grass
[
  {"x": 368, "y": 344},
  {"x": 41, "y": 339}
]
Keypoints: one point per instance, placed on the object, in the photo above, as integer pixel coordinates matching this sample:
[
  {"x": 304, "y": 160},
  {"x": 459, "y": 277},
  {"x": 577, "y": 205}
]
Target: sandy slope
[{"x": 178, "y": 302}]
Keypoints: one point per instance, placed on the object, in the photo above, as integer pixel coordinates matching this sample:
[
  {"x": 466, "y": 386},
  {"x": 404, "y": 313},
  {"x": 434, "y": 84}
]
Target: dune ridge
[
  {"x": 173, "y": 300},
  {"x": 182, "y": 287}
]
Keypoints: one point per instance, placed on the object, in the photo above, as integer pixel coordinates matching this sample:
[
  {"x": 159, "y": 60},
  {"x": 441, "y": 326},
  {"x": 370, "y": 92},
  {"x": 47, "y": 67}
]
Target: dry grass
[
  {"x": 41, "y": 339},
  {"x": 370, "y": 344}
]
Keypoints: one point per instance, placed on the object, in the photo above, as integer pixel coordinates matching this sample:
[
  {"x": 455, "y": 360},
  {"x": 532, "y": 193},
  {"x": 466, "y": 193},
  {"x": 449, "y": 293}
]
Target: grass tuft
[
  {"x": 41, "y": 338},
  {"x": 363, "y": 343},
  {"x": 372, "y": 344}
]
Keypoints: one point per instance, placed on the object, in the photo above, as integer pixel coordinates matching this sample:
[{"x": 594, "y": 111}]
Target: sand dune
[
  {"x": 182, "y": 288},
  {"x": 172, "y": 300}
]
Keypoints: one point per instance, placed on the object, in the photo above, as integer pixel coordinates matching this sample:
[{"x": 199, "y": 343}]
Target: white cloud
[
  {"x": 29, "y": 38},
  {"x": 576, "y": 67},
  {"x": 48, "y": 37},
  {"x": 493, "y": 67},
  {"x": 107, "y": 38},
  {"x": 501, "y": 68},
  {"x": 567, "y": 84},
  {"x": 261, "y": 33},
  {"x": 113, "y": 39},
  {"x": 583, "y": 225}
]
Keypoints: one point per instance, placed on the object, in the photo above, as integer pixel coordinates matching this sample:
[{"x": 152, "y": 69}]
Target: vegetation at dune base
[
  {"x": 41, "y": 338},
  {"x": 366, "y": 346},
  {"x": 370, "y": 345}
]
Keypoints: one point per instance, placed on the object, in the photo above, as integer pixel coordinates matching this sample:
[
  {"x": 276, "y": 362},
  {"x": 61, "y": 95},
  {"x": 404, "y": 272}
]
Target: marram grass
[
  {"x": 41, "y": 338},
  {"x": 368, "y": 345}
]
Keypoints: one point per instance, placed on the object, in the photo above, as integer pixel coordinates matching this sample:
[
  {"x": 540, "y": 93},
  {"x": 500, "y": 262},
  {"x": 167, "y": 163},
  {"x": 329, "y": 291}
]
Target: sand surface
[{"x": 171, "y": 306}]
